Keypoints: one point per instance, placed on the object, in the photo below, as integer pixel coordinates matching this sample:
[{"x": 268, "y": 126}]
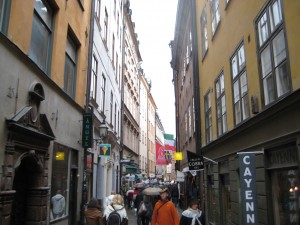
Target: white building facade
[{"x": 105, "y": 93}]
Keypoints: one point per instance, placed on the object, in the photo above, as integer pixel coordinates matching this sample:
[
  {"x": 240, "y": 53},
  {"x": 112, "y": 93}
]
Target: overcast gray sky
[{"x": 154, "y": 24}]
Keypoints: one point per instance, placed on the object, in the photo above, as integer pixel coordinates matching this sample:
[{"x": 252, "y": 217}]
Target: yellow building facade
[
  {"x": 44, "y": 48},
  {"x": 249, "y": 102}
]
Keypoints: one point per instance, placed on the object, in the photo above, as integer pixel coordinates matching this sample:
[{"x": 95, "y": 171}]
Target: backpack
[{"x": 114, "y": 218}]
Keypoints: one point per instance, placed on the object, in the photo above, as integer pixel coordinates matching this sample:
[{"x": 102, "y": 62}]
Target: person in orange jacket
[{"x": 165, "y": 212}]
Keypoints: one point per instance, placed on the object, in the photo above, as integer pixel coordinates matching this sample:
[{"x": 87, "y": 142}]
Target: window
[
  {"x": 194, "y": 122},
  {"x": 273, "y": 53},
  {"x": 111, "y": 107},
  {"x": 190, "y": 121},
  {"x": 41, "y": 34},
  {"x": 215, "y": 14},
  {"x": 208, "y": 118},
  {"x": 221, "y": 105},
  {"x": 2, "y": 7},
  {"x": 97, "y": 10},
  {"x": 59, "y": 184},
  {"x": 117, "y": 66},
  {"x": 285, "y": 195},
  {"x": 103, "y": 84},
  {"x": 204, "y": 38},
  {"x": 94, "y": 78},
  {"x": 113, "y": 51},
  {"x": 105, "y": 26},
  {"x": 115, "y": 119},
  {"x": 240, "y": 85},
  {"x": 70, "y": 68}
]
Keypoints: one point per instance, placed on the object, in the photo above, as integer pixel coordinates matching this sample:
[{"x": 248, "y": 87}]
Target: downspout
[
  {"x": 122, "y": 94},
  {"x": 87, "y": 109},
  {"x": 197, "y": 99}
]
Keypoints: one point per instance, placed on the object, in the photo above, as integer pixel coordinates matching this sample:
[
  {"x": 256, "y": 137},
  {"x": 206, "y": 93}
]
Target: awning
[
  {"x": 131, "y": 169},
  {"x": 139, "y": 176}
]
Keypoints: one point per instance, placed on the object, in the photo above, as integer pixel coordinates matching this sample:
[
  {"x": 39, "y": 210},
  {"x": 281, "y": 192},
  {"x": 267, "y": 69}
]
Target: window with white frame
[
  {"x": 97, "y": 11},
  {"x": 105, "y": 26},
  {"x": 208, "y": 117},
  {"x": 115, "y": 118},
  {"x": 215, "y": 14},
  {"x": 113, "y": 51},
  {"x": 93, "y": 93},
  {"x": 111, "y": 107},
  {"x": 70, "y": 67},
  {"x": 186, "y": 125},
  {"x": 221, "y": 105},
  {"x": 272, "y": 52},
  {"x": 204, "y": 38},
  {"x": 41, "y": 34},
  {"x": 240, "y": 85},
  {"x": 103, "y": 85}
]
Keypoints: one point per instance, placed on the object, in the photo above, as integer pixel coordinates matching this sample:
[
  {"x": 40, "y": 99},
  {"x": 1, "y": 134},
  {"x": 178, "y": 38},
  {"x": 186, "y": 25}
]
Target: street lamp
[{"x": 103, "y": 130}]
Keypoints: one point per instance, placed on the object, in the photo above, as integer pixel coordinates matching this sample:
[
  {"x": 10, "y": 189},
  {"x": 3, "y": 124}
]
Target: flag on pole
[
  {"x": 169, "y": 142},
  {"x": 160, "y": 154}
]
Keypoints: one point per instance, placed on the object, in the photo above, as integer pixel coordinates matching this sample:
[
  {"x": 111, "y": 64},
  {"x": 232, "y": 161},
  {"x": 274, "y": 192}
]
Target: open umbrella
[
  {"x": 139, "y": 185},
  {"x": 151, "y": 191}
]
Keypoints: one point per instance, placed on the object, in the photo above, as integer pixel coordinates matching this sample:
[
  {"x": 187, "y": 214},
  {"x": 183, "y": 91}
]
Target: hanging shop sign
[
  {"x": 105, "y": 150},
  {"x": 87, "y": 130},
  {"x": 195, "y": 161},
  {"x": 248, "y": 188}
]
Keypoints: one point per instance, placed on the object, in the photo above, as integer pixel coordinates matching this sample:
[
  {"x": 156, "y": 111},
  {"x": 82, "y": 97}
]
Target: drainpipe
[{"x": 87, "y": 109}]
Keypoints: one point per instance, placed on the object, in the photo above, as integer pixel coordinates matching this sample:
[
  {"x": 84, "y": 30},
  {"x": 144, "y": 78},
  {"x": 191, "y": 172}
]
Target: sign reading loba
[
  {"x": 195, "y": 161},
  {"x": 248, "y": 187}
]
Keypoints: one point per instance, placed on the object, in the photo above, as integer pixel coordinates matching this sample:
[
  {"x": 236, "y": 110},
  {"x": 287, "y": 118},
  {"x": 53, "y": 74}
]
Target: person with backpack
[
  {"x": 93, "y": 214},
  {"x": 144, "y": 211},
  {"x": 165, "y": 212},
  {"x": 115, "y": 213},
  {"x": 192, "y": 215}
]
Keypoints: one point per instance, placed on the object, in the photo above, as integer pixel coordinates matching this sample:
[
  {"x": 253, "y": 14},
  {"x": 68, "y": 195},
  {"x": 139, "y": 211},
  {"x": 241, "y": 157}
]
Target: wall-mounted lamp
[{"x": 103, "y": 129}]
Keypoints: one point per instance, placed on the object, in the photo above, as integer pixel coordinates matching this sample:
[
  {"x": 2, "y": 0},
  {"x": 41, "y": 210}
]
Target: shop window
[
  {"x": 286, "y": 196},
  {"x": 59, "y": 182}
]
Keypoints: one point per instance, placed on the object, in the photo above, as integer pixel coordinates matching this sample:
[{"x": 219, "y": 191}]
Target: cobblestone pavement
[{"x": 132, "y": 217}]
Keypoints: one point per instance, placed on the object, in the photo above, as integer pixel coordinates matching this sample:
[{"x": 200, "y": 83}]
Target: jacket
[
  {"x": 165, "y": 213},
  {"x": 93, "y": 216},
  {"x": 188, "y": 215},
  {"x": 119, "y": 208}
]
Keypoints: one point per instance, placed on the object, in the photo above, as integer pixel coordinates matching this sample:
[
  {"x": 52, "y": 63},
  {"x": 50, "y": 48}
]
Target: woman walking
[
  {"x": 93, "y": 214},
  {"x": 116, "y": 213},
  {"x": 192, "y": 215}
]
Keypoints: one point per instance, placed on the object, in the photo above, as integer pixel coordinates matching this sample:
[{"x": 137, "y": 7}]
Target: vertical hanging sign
[
  {"x": 87, "y": 130},
  {"x": 248, "y": 187}
]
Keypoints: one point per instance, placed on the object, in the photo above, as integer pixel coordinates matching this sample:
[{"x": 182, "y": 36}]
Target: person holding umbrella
[{"x": 164, "y": 212}]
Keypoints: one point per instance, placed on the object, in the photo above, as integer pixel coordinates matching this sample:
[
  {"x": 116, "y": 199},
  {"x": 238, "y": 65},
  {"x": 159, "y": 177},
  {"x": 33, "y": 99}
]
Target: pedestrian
[
  {"x": 115, "y": 213},
  {"x": 93, "y": 214},
  {"x": 175, "y": 193},
  {"x": 109, "y": 198},
  {"x": 145, "y": 211},
  {"x": 193, "y": 215},
  {"x": 165, "y": 212},
  {"x": 58, "y": 205}
]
